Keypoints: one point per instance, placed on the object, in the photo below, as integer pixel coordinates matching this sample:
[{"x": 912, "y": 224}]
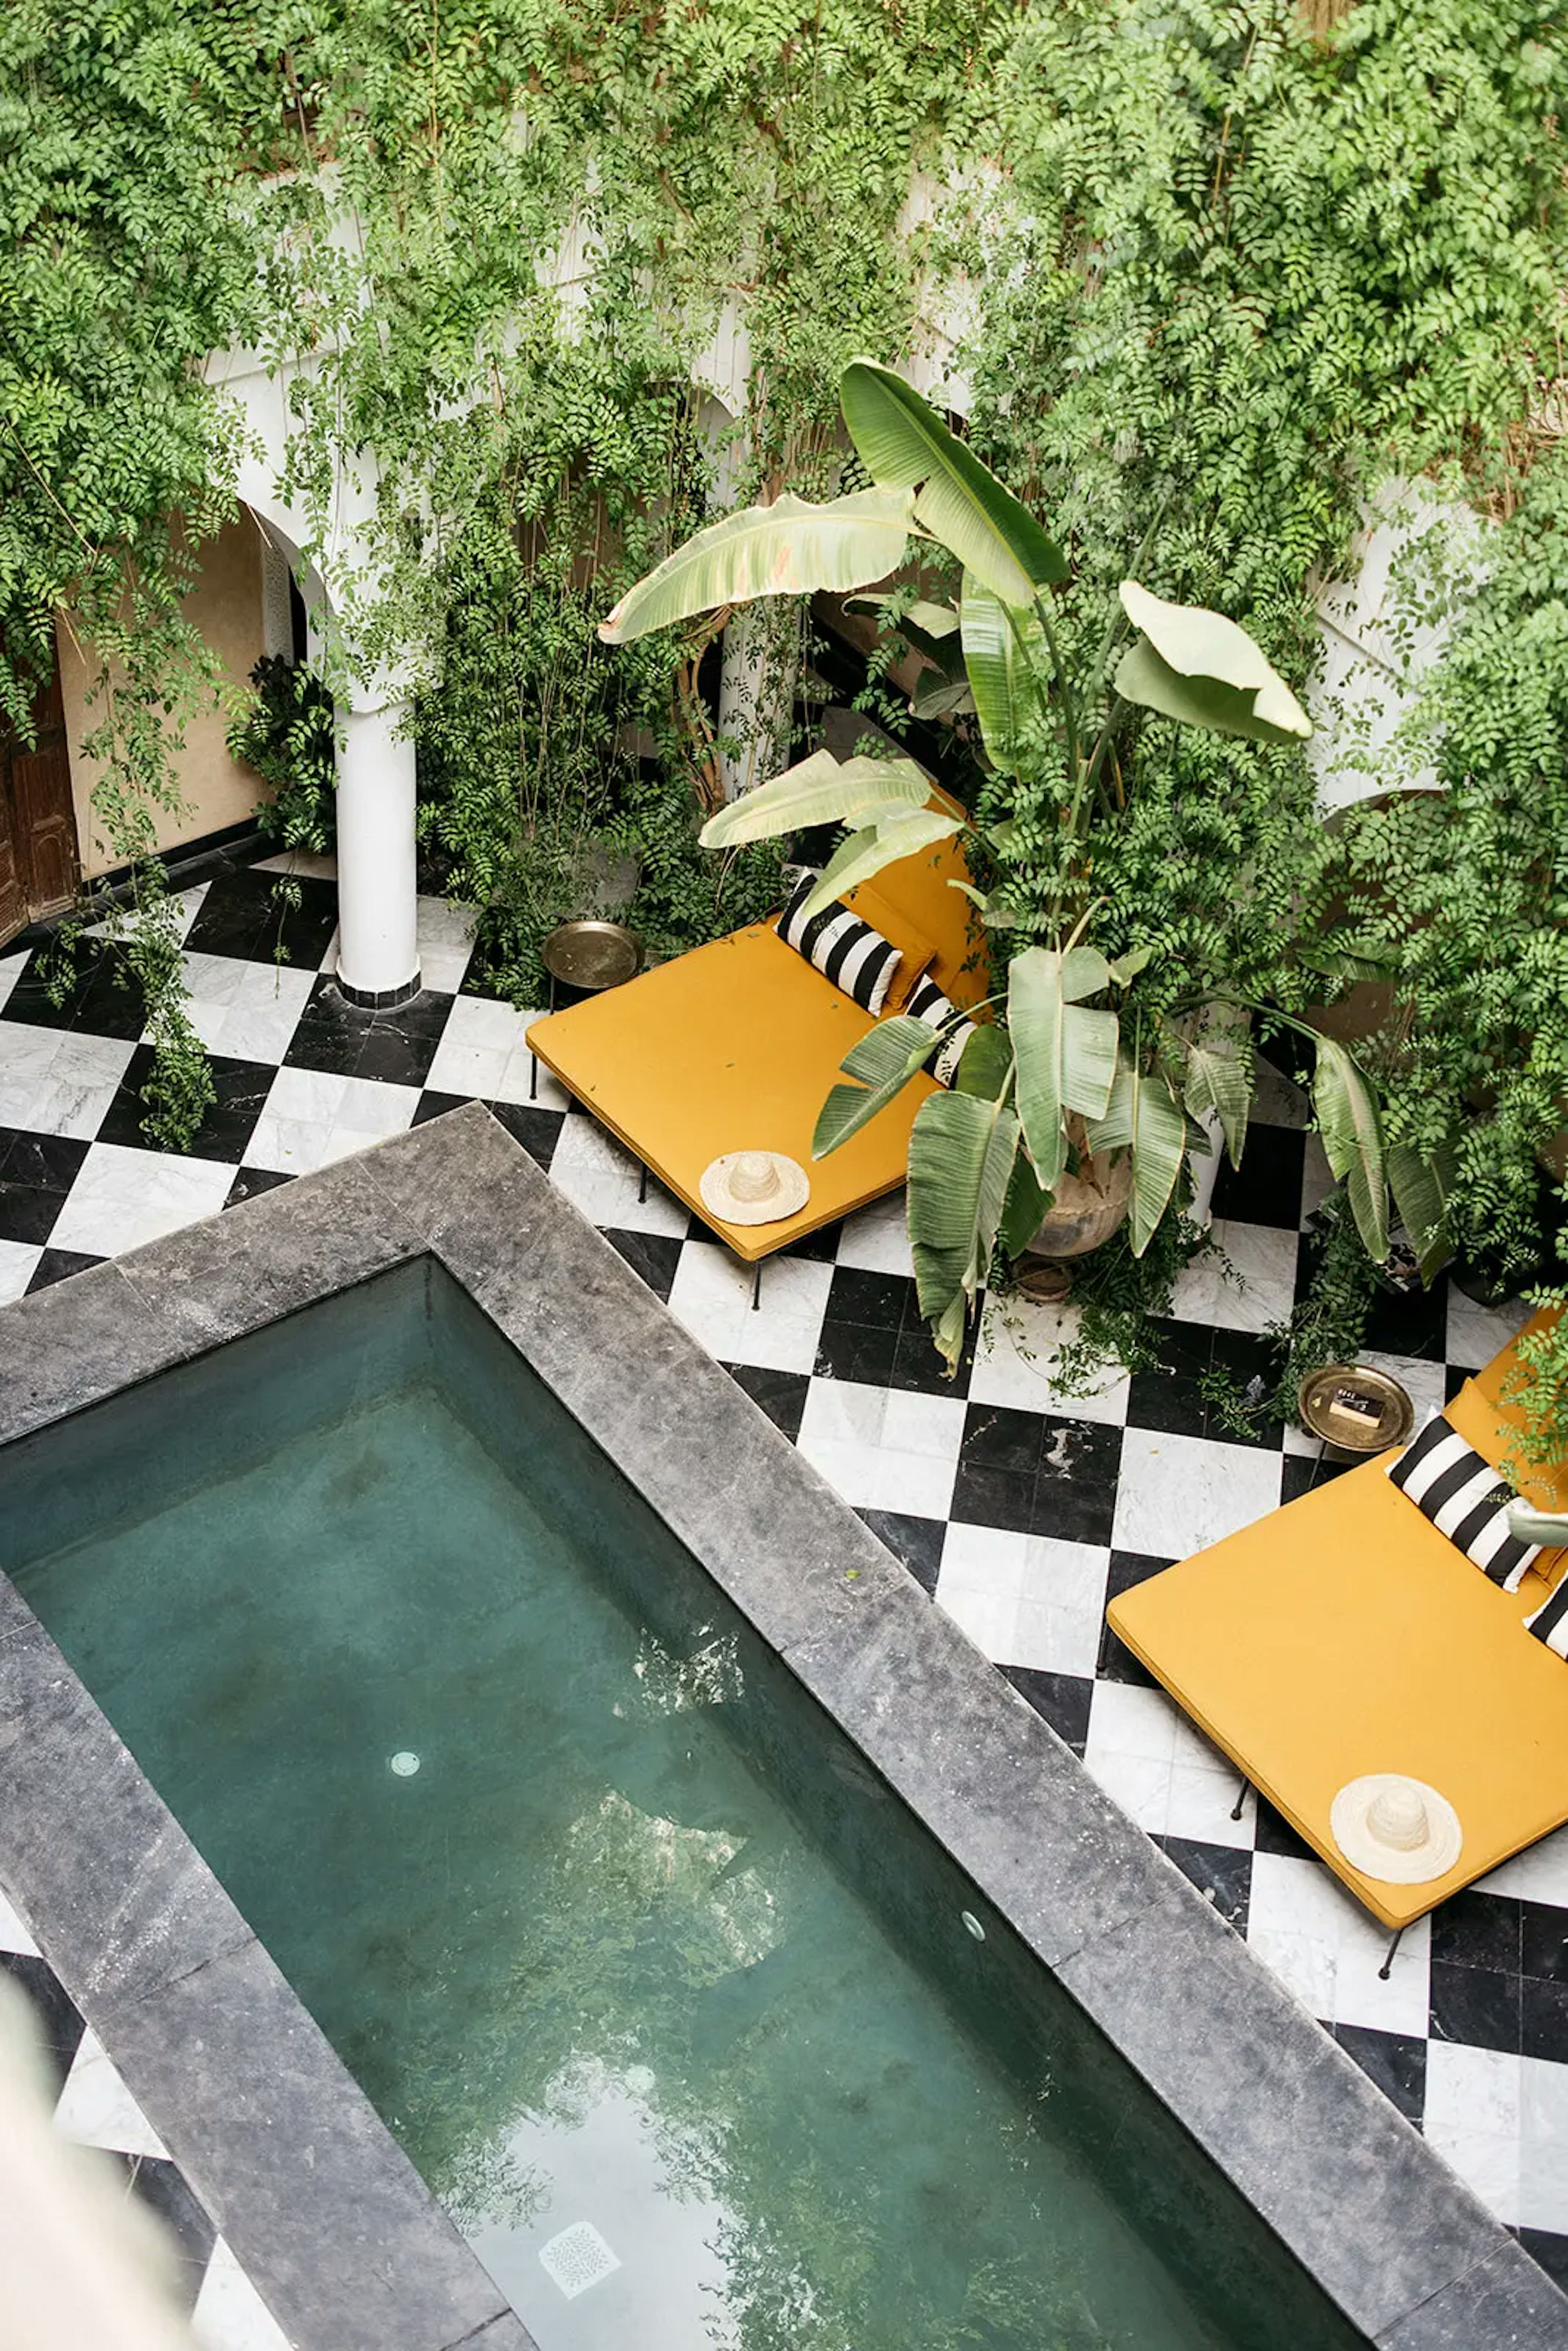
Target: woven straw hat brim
[
  {"x": 1434, "y": 1857},
  {"x": 794, "y": 1191}
]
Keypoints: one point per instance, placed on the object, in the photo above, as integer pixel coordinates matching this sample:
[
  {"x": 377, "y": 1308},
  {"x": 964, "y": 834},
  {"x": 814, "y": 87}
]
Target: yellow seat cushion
[
  {"x": 732, "y": 1046},
  {"x": 1343, "y": 1635}
]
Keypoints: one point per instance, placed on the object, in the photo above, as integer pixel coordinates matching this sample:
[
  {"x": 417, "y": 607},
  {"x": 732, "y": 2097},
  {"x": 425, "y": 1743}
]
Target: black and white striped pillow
[
  {"x": 1465, "y": 1498},
  {"x": 926, "y": 1002},
  {"x": 842, "y": 947},
  {"x": 1550, "y": 1622}
]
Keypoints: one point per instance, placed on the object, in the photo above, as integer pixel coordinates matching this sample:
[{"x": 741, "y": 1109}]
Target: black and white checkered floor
[{"x": 1021, "y": 1510}]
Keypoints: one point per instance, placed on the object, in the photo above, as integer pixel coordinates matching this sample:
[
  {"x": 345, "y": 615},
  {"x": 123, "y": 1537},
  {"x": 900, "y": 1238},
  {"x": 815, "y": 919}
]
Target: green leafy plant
[
  {"x": 1071, "y": 1072},
  {"x": 287, "y": 736}
]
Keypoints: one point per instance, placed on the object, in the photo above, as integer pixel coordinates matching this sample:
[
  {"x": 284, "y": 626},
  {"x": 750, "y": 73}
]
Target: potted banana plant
[{"x": 1071, "y": 1076}]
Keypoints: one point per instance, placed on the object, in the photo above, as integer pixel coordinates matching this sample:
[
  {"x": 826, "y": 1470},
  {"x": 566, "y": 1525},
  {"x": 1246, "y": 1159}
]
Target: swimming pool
[{"x": 700, "y": 2038}]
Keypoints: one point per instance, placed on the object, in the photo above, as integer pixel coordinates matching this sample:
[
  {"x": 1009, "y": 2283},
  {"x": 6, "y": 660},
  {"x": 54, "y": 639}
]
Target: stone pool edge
[{"x": 350, "y": 2247}]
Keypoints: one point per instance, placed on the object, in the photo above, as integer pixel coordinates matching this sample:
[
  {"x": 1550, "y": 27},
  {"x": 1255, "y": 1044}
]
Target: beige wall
[{"x": 227, "y": 607}]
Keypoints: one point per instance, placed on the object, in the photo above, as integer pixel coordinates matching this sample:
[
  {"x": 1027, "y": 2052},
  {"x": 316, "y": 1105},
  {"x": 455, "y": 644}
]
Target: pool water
[{"x": 703, "y": 2042}]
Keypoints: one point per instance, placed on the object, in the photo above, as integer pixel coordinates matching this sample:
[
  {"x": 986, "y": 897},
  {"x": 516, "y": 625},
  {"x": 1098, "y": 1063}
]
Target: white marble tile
[
  {"x": 254, "y": 1011},
  {"x": 373, "y": 1108},
  {"x": 1179, "y": 1494},
  {"x": 445, "y": 943},
  {"x": 57, "y": 1080},
  {"x": 601, "y": 1179},
  {"x": 883, "y": 1450},
  {"x": 1472, "y": 2118},
  {"x": 1019, "y": 1348},
  {"x": 1543, "y": 2146},
  {"x": 11, "y": 969},
  {"x": 13, "y": 1934},
  {"x": 876, "y": 1239},
  {"x": 1327, "y": 1949},
  {"x": 187, "y": 906},
  {"x": 1476, "y": 1334},
  {"x": 1249, "y": 1286},
  {"x": 1423, "y": 1382},
  {"x": 712, "y": 1297},
  {"x": 1540, "y": 1874},
  {"x": 230, "y": 2316},
  {"x": 123, "y": 1197},
  {"x": 1025, "y": 1600},
  {"x": 18, "y": 1264},
  {"x": 314, "y": 1116},
  {"x": 96, "y": 2108},
  {"x": 330, "y": 952}
]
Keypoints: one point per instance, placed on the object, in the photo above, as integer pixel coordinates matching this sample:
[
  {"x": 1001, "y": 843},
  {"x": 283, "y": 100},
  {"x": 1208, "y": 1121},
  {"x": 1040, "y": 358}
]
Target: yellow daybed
[
  {"x": 733, "y": 1047},
  {"x": 1343, "y": 1635}
]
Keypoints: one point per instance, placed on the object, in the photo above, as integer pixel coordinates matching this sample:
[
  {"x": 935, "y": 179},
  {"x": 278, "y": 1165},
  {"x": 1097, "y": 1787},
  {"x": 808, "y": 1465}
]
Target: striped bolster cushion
[
  {"x": 842, "y": 947},
  {"x": 926, "y": 1002},
  {"x": 1550, "y": 1622},
  {"x": 1465, "y": 1499}
]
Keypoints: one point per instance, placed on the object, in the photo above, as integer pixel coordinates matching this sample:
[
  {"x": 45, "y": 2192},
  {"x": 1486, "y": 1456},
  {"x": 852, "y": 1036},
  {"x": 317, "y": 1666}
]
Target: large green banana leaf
[
  {"x": 883, "y": 1060},
  {"x": 788, "y": 549},
  {"x": 1216, "y": 1083},
  {"x": 1353, "y": 1140},
  {"x": 1007, "y": 687},
  {"x": 900, "y": 833},
  {"x": 1144, "y": 1117},
  {"x": 1066, "y": 1052},
  {"x": 961, "y": 1154},
  {"x": 904, "y": 443},
  {"x": 819, "y": 790},
  {"x": 1421, "y": 1189},
  {"x": 1197, "y": 666}
]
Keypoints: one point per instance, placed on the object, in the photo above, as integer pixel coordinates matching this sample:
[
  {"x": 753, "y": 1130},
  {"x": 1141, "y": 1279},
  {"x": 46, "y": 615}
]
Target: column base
[{"x": 380, "y": 1000}]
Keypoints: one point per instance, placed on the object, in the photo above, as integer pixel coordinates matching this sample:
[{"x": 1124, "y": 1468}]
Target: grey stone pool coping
[{"x": 321, "y": 2207}]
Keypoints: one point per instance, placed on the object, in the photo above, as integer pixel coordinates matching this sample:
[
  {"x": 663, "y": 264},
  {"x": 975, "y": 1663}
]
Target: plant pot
[{"x": 1087, "y": 1210}]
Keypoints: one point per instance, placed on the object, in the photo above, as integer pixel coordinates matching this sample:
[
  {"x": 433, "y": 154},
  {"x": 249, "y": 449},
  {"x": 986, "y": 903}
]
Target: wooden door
[{"x": 38, "y": 861}]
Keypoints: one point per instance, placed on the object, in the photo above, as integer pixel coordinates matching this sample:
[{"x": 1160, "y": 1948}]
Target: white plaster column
[{"x": 377, "y": 945}]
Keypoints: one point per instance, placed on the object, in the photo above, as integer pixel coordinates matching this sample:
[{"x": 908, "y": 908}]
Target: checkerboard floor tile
[
  {"x": 94, "y": 2107},
  {"x": 1020, "y": 1506}
]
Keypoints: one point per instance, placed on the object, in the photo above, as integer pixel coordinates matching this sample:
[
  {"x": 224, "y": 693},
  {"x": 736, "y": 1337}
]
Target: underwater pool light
[{"x": 405, "y": 1763}]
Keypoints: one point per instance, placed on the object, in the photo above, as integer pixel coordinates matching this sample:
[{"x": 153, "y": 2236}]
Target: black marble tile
[
  {"x": 917, "y": 1543},
  {"x": 856, "y": 1351},
  {"x": 1544, "y": 1942},
  {"x": 1454, "y": 1378},
  {"x": 1544, "y": 2019},
  {"x": 102, "y": 994},
  {"x": 986, "y": 1497},
  {"x": 821, "y": 1247},
  {"x": 919, "y": 1370},
  {"x": 1410, "y": 1322},
  {"x": 537, "y": 1130},
  {"x": 996, "y": 1437},
  {"x": 1299, "y": 1476},
  {"x": 252, "y": 1182},
  {"x": 1075, "y": 1485},
  {"x": 60, "y": 2027},
  {"x": 1551, "y": 2250},
  {"x": 1266, "y": 1189},
  {"x": 1396, "y": 2062},
  {"x": 1274, "y": 1834},
  {"x": 246, "y": 913},
  {"x": 1063, "y": 1699},
  {"x": 1472, "y": 1929},
  {"x": 1222, "y": 1873},
  {"x": 162, "y": 2188},
  {"x": 347, "y": 1041},
  {"x": 780, "y": 1394},
  {"x": 27, "y": 1212},
  {"x": 883, "y": 1300},
  {"x": 330, "y": 1034},
  {"x": 58, "y": 1264},
  {"x": 653, "y": 1257},
  {"x": 1116, "y": 1662},
  {"x": 240, "y": 1090},
  {"x": 1480, "y": 2006},
  {"x": 50, "y": 1162}
]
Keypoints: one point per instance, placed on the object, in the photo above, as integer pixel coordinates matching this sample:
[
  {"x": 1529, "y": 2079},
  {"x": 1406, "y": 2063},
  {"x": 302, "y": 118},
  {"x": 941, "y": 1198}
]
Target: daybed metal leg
[
  {"x": 756, "y": 1287},
  {"x": 1240, "y": 1800},
  {"x": 1386, "y": 1970},
  {"x": 533, "y": 1077},
  {"x": 642, "y": 1186}
]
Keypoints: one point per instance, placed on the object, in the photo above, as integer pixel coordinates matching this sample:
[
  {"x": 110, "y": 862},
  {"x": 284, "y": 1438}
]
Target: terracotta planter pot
[{"x": 1087, "y": 1210}]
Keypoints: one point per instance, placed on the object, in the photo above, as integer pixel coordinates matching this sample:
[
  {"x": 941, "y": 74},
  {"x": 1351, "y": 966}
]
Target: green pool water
[{"x": 632, "y": 1951}]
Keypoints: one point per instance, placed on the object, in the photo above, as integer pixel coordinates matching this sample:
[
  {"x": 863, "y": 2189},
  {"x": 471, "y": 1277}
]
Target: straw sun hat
[
  {"x": 754, "y": 1187},
  {"x": 1397, "y": 1829}
]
